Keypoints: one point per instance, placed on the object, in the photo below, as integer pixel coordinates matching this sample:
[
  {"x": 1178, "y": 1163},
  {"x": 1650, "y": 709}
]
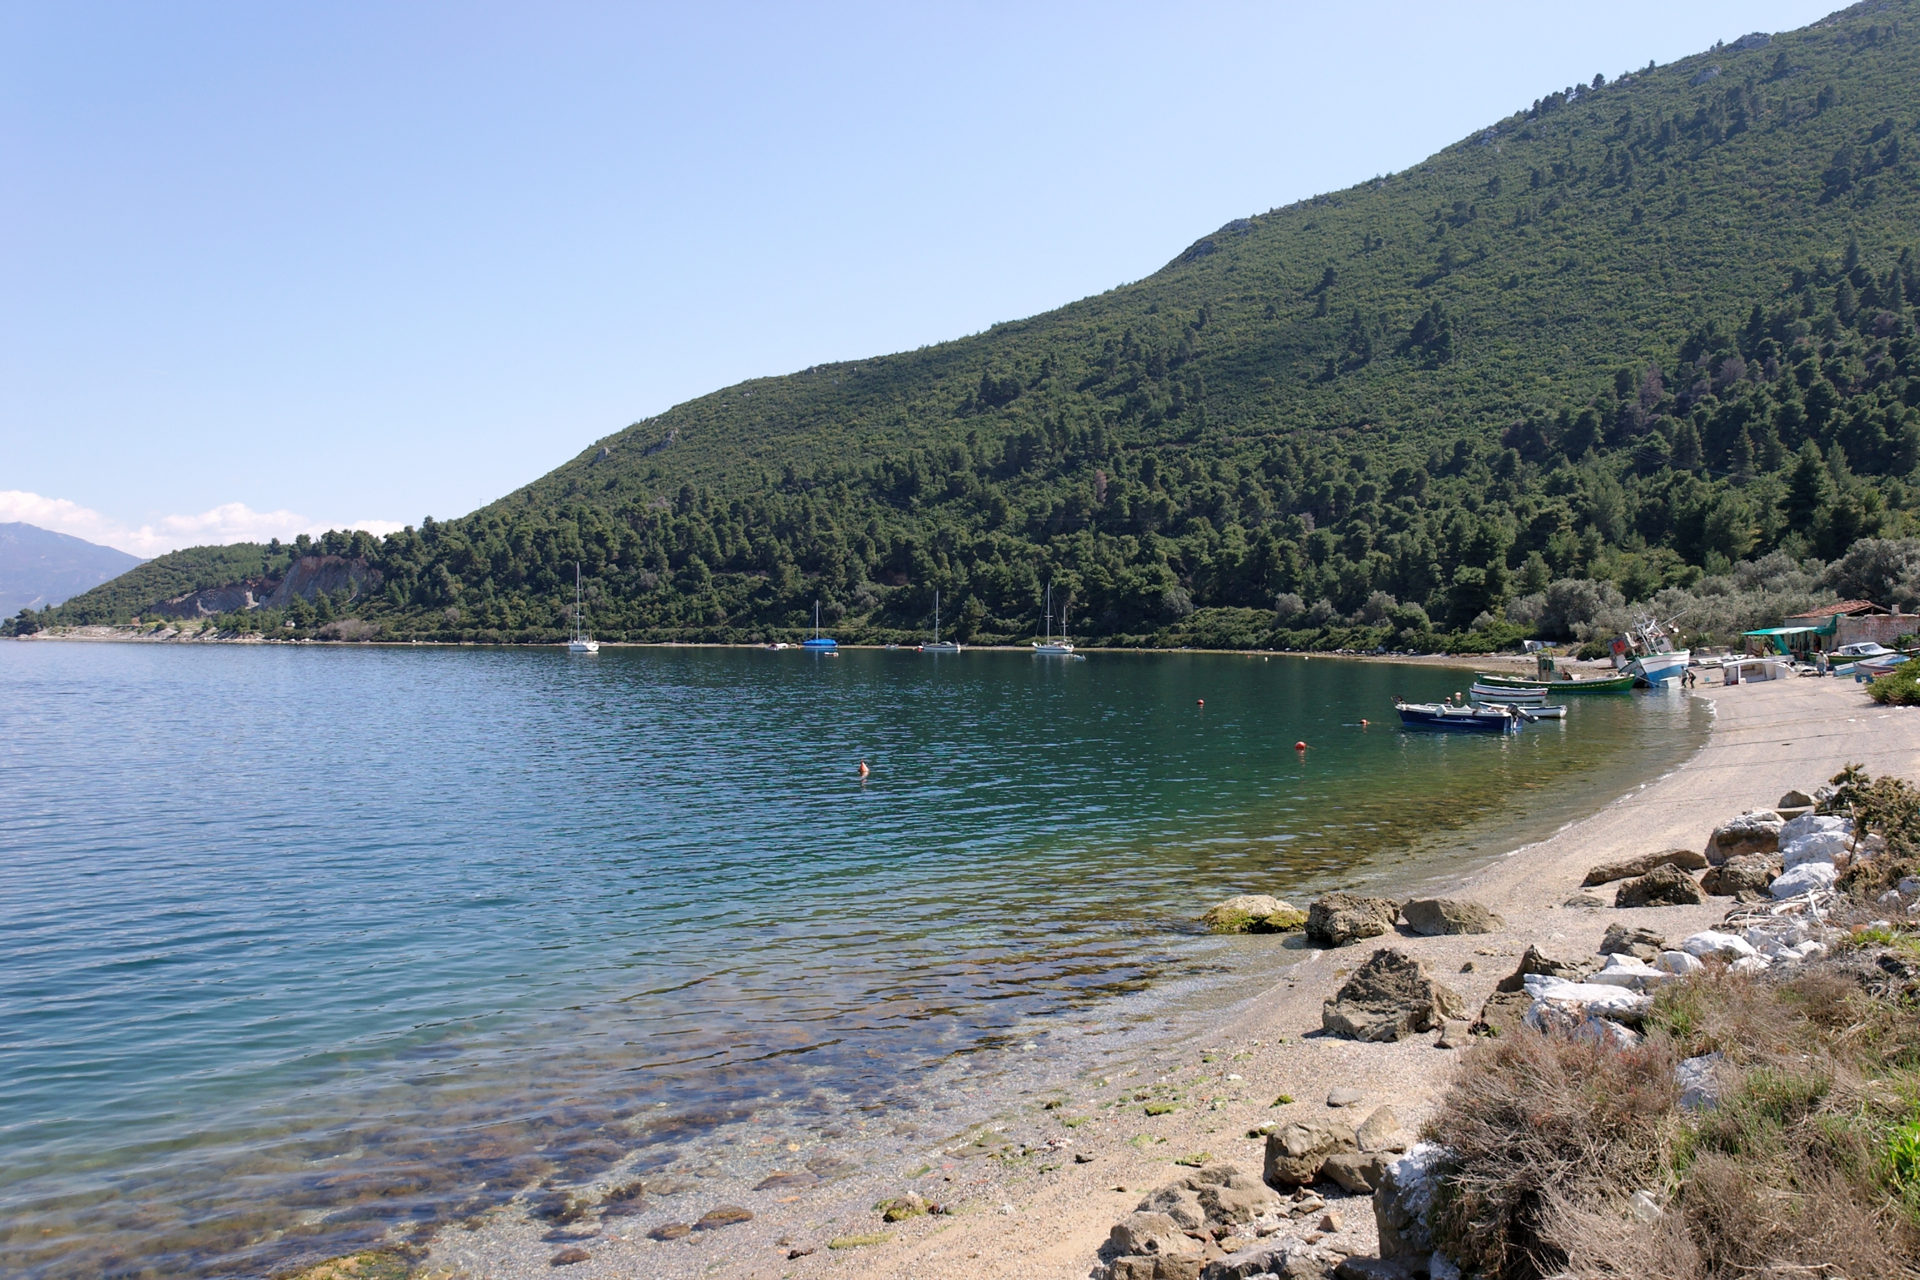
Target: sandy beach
[{"x": 1033, "y": 1194}]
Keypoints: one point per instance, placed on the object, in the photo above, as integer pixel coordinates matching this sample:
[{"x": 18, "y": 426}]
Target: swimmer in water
[{"x": 864, "y": 771}]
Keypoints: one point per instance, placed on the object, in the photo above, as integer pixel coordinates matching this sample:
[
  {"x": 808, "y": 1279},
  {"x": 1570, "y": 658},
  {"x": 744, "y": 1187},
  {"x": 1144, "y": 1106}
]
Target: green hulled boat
[{"x": 1559, "y": 683}]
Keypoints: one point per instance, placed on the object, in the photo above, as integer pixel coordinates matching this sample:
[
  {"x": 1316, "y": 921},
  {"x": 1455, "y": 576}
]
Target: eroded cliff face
[{"x": 305, "y": 579}]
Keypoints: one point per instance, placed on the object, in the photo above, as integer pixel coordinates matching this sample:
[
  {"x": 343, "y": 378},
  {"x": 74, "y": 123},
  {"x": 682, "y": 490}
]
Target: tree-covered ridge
[
  {"x": 1601, "y": 225},
  {"x": 1794, "y": 428},
  {"x": 1636, "y": 333}
]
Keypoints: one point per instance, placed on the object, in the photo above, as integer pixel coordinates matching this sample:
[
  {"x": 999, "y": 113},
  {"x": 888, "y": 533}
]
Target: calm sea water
[{"x": 301, "y": 946}]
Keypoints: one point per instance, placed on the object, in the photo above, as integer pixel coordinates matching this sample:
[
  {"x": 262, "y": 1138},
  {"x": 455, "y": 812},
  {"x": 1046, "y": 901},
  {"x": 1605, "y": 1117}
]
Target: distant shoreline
[{"x": 128, "y": 635}]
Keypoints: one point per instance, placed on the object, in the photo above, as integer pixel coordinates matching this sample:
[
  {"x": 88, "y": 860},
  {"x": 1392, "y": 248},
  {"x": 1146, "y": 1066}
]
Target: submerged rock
[
  {"x": 1253, "y": 913},
  {"x": 1390, "y": 997},
  {"x": 1664, "y": 886},
  {"x": 1342, "y": 918},
  {"x": 1431, "y": 917},
  {"x": 725, "y": 1215}
]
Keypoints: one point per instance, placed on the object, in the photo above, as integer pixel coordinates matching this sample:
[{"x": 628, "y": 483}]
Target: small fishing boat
[
  {"x": 1558, "y": 682},
  {"x": 580, "y": 641},
  {"x": 1457, "y": 719},
  {"x": 1531, "y": 714},
  {"x": 1052, "y": 648},
  {"x": 939, "y": 646},
  {"x": 818, "y": 641},
  {"x": 1874, "y": 668},
  {"x": 1494, "y": 693},
  {"x": 1646, "y": 652}
]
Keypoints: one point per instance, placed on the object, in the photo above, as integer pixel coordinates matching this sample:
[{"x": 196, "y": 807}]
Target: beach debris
[
  {"x": 1664, "y": 886},
  {"x": 1621, "y": 940},
  {"x": 1390, "y": 997},
  {"x": 1629, "y": 868},
  {"x": 1746, "y": 873},
  {"x": 1342, "y": 918},
  {"x": 1253, "y": 913},
  {"x": 567, "y": 1257},
  {"x": 1755, "y": 831},
  {"x": 1297, "y": 1152},
  {"x": 725, "y": 1215},
  {"x": 1343, "y": 1096},
  {"x": 804, "y": 1251},
  {"x": 1431, "y": 917}
]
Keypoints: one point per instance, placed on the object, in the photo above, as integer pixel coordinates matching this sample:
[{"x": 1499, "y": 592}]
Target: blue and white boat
[
  {"x": 818, "y": 641},
  {"x": 1647, "y": 652},
  {"x": 1453, "y": 718}
]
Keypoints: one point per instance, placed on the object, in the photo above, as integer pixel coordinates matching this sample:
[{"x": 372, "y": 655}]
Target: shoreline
[
  {"x": 1034, "y": 1188},
  {"x": 128, "y": 635}
]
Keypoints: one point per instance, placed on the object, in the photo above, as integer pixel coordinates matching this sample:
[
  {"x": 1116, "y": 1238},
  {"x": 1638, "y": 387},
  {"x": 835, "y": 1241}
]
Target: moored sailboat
[
  {"x": 938, "y": 645},
  {"x": 579, "y": 641},
  {"x": 1052, "y": 648}
]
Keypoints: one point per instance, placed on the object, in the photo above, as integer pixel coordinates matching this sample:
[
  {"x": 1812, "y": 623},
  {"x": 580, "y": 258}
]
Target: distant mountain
[{"x": 39, "y": 567}]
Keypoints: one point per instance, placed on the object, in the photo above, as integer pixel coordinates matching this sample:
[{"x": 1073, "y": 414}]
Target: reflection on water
[{"x": 301, "y": 945}]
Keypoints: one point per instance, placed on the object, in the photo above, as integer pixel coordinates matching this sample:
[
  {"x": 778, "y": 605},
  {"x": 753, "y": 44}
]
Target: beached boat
[
  {"x": 1457, "y": 719},
  {"x": 937, "y": 645},
  {"x": 816, "y": 640},
  {"x": 1558, "y": 683},
  {"x": 1874, "y": 668},
  {"x": 580, "y": 641},
  {"x": 1647, "y": 653},
  {"x": 1052, "y": 648}
]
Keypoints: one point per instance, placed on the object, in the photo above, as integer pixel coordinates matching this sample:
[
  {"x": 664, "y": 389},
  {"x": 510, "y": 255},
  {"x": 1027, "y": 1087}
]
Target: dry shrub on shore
[{"x": 1808, "y": 1166}]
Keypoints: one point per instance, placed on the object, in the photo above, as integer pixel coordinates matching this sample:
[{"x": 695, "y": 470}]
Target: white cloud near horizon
[{"x": 228, "y": 522}]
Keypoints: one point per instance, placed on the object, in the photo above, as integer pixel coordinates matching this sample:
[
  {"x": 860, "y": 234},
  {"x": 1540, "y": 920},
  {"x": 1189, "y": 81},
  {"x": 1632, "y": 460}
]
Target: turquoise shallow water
[{"x": 300, "y": 946}]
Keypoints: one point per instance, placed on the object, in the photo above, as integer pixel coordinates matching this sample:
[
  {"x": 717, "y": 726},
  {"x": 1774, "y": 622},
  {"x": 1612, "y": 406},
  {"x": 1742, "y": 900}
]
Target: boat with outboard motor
[
  {"x": 1453, "y": 717},
  {"x": 1556, "y": 682}
]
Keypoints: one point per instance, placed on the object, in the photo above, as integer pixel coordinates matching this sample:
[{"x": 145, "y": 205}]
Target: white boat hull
[
  {"x": 583, "y": 646},
  {"x": 1658, "y": 668}
]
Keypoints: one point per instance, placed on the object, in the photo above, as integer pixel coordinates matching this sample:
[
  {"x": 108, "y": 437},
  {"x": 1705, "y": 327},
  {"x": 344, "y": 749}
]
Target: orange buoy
[
  {"x": 1299, "y": 746},
  {"x": 863, "y": 769}
]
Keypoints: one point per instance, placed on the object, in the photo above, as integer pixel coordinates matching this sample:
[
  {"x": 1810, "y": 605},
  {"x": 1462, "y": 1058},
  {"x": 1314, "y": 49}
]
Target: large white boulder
[
  {"x": 1817, "y": 837},
  {"x": 1630, "y": 972},
  {"x": 1677, "y": 963},
  {"x": 1711, "y": 942},
  {"x": 1804, "y": 878},
  {"x": 1579, "y": 1000}
]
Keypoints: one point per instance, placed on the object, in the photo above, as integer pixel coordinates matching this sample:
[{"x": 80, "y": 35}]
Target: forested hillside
[{"x": 1639, "y": 331}]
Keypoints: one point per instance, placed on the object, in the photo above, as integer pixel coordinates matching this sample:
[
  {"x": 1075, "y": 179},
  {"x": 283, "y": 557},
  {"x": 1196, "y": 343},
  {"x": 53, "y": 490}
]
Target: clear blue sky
[{"x": 271, "y": 265}]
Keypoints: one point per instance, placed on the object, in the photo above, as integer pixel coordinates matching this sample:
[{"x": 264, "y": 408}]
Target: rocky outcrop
[
  {"x": 1297, "y": 1152},
  {"x": 1403, "y": 1201},
  {"x": 1431, "y": 917},
  {"x": 1253, "y": 913},
  {"x": 236, "y": 597},
  {"x": 309, "y": 576},
  {"x": 1389, "y": 997},
  {"x": 1535, "y": 961},
  {"x": 1747, "y": 873},
  {"x": 1816, "y": 838},
  {"x": 1628, "y": 868},
  {"x": 1664, "y": 886},
  {"x": 1173, "y": 1233},
  {"x": 1756, "y": 831},
  {"x": 1643, "y": 944},
  {"x": 1342, "y": 918}
]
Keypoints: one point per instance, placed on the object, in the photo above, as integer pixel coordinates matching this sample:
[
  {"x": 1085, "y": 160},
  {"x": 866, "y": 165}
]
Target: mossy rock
[{"x": 1253, "y": 913}]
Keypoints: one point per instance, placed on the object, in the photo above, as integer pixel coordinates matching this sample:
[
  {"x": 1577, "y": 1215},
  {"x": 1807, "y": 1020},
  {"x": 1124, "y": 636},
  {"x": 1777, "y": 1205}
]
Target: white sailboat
[
  {"x": 1052, "y": 648},
  {"x": 939, "y": 646},
  {"x": 580, "y": 642}
]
